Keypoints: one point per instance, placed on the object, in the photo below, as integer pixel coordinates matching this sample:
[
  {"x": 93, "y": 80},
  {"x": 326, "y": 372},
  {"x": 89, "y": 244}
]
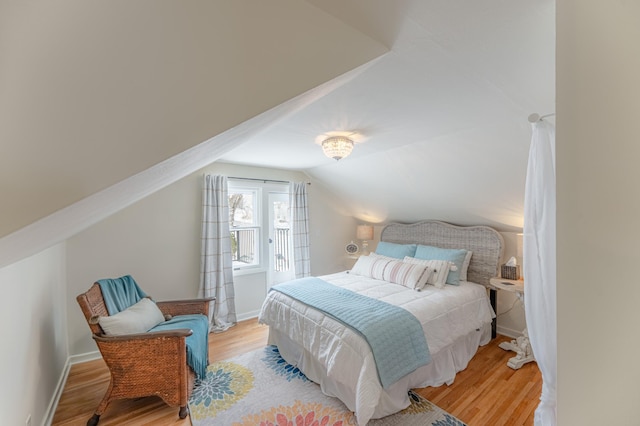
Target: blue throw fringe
[{"x": 197, "y": 343}]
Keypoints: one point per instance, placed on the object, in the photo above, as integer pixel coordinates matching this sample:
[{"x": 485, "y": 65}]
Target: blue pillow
[
  {"x": 399, "y": 251},
  {"x": 436, "y": 253}
]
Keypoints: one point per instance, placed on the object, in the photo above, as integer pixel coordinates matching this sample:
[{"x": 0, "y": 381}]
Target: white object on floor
[{"x": 521, "y": 346}]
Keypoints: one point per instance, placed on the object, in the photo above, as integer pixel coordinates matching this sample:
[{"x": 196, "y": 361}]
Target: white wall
[
  {"x": 598, "y": 172},
  {"x": 157, "y": 241},
  {"x": 34, "y": 334},
  {"x": 511, "y": 319}
]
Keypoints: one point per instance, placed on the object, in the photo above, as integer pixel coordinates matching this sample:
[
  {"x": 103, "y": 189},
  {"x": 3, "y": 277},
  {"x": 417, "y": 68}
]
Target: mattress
[{"x": 455, "y": 319}]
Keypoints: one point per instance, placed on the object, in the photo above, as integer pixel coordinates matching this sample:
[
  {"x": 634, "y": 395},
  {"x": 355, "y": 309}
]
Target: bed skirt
[{"x": 442, "y": 369}]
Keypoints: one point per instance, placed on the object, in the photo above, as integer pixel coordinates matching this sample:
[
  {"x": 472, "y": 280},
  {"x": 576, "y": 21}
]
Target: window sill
[{"x": 249, "y": 271}]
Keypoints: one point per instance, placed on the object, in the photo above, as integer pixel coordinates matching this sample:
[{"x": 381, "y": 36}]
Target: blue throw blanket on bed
[{"x": 395, "y": 336}]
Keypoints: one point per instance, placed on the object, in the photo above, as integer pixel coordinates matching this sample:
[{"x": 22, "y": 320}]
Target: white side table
[{"x": 521, "y": 346}]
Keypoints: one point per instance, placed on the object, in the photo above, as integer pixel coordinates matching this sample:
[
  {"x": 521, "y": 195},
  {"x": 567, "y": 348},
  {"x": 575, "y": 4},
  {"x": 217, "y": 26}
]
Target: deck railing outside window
[
  {"x": 243, "y": 246},
  {"x": 281, "y": 249}
]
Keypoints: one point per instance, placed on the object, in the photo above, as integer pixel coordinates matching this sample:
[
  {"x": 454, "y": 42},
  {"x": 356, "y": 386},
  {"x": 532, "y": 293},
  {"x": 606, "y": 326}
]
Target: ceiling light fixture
[{"x": 337, "y": 147}]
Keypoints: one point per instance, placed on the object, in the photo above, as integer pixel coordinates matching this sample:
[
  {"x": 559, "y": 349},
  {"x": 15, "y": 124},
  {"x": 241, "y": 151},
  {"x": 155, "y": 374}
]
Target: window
[
  {"x": 259, "y": 227},
  {"x": 244, "y": 223}
]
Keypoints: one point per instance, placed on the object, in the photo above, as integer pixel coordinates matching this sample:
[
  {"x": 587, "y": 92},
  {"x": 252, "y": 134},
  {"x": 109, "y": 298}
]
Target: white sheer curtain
[
  {"x": 216, "y": 266},
  {"x": 300, "y": 228},
  {"x": 539, "y": 261}
]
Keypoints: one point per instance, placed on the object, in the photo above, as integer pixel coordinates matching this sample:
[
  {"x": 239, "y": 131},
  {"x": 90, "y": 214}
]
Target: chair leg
[
  {"x": 106, "y": 399},
  {"x": 93, "y": 421},
  {"x": 184, "y": 410}
]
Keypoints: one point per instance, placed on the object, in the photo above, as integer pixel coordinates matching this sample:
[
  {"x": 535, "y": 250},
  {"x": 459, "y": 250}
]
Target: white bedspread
[{"x": 340, "y": 359}]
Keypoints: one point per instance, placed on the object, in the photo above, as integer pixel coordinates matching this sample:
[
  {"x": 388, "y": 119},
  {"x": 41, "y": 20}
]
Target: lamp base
[{"x": 365, "y": 248}]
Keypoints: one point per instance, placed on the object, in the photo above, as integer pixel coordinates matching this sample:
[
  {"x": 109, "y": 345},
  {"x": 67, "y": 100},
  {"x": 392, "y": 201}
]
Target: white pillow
[
  {"x": 410, "y": 275},
  {"x": 382, "y": 256},
  {"x": 370, "y": 266},
  {"x": 137, "y": 318},
  {"x": 465, "y": 266},
  {"x": 440, "y": 268}
]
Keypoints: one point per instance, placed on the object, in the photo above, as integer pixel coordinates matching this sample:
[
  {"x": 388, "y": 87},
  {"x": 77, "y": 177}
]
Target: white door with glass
[{"x": 280, "y": 249}]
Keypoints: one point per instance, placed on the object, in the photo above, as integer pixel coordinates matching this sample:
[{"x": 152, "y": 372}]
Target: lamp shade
[{"x": 364, "y": 232}]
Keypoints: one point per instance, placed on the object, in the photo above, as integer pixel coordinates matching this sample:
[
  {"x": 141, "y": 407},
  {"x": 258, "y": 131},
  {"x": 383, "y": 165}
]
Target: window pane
[
  {"x": 280, "y": 214},
  {"x": 281, "y": 237},
  {"x": 242, "y": 208},
  {"x": 244, "y": 247}
]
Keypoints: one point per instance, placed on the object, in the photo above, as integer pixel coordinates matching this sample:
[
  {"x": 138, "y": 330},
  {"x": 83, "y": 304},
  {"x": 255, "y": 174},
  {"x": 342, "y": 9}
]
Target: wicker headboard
[{"x": 486, "y": 243}]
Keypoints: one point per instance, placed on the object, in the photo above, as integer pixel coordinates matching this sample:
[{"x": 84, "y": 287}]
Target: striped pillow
[
  {"x": 370, "y": 266},
  {"x": 410, "y": 275},
  {"x": 440, "y": 268}
]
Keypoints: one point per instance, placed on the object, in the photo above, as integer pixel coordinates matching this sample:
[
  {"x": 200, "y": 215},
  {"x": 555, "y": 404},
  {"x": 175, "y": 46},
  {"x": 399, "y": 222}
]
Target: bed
[{"x": 455, "y": 319}]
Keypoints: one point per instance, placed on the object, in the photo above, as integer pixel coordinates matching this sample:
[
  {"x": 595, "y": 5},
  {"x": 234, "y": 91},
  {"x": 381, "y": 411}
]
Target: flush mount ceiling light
[{"x": 337, "y": 147}]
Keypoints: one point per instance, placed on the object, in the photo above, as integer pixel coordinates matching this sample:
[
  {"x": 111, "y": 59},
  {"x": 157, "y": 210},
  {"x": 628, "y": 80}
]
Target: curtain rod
[
  {"x": 262, "y": 180},
  {"x": 534, "y": 118}
]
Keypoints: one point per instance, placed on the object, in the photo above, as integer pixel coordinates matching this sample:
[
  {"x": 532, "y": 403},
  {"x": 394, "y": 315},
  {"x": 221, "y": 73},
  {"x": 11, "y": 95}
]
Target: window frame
[
  {"x": 235, "y": 187},
  {"x": 261, "y": 219}
]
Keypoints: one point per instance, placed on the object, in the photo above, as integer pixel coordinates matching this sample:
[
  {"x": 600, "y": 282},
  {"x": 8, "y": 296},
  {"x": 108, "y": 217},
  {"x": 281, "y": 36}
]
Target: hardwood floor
[{"x": 487, "y": 393}]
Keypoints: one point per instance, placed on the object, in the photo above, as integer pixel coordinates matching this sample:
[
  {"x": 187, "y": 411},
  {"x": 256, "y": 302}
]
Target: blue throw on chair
[
  {"x": 164, "y": 362},
  {"x": 121, "y": 293}
]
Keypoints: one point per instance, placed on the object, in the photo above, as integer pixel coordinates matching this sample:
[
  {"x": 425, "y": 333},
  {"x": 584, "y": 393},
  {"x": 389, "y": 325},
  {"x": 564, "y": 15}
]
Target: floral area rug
[{"x": 260, "y": 389}]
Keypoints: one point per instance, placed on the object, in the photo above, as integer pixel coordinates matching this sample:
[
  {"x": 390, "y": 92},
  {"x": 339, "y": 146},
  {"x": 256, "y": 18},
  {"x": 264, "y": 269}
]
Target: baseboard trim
[
  {"x": 248, "y": 315},
  {"x": 87, "y": 356},
  {"x": 514, "y": 334},
  {"x": 71, "y": 360},
  {"x": 51, "y": 409}
]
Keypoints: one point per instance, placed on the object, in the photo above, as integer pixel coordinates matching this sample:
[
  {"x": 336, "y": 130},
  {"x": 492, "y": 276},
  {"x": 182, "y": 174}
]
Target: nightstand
[{"x": 521, "y": 346}]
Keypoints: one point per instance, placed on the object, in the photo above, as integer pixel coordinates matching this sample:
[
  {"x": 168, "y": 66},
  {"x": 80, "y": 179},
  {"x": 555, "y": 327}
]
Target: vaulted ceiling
[
  {"x": 442, "y": 116},
  {"x": 94, "y": 94}
]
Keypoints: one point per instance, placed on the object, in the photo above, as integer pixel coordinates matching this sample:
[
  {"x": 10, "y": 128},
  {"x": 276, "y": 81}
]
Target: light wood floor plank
[{"x": 486, "y": 393}]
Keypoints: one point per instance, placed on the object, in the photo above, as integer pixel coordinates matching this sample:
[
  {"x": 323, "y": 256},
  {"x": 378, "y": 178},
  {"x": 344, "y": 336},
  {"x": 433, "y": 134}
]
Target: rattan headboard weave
[{"x": 486, "y": 243}]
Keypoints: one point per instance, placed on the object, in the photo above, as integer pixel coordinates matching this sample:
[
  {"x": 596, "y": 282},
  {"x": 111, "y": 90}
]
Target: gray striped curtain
[
  {"x": 300, "y": 228},
  {"x": 216, "y": 267}
]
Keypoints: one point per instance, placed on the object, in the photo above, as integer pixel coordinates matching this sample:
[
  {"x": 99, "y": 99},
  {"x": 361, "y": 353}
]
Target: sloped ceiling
[
  {"x": 93, "y": 92},
  {"x": 94, "y": 95},
  {"x": 442, "y": 117}
]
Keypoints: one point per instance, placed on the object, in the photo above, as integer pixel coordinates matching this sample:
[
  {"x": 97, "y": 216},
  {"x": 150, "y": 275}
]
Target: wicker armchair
[{"x": 145, "y": 364}]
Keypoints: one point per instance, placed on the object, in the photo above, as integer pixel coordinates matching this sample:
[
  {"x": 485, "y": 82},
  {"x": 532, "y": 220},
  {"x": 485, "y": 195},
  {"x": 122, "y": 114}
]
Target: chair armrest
[
  {"x": 144, "y": 354},
  {"x": 185, "y": 307},
  {"x": 178, "y": 332}
]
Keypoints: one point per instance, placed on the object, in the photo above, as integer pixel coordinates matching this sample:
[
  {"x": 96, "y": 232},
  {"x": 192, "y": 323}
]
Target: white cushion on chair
[{"x": 137, "y": 318}]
